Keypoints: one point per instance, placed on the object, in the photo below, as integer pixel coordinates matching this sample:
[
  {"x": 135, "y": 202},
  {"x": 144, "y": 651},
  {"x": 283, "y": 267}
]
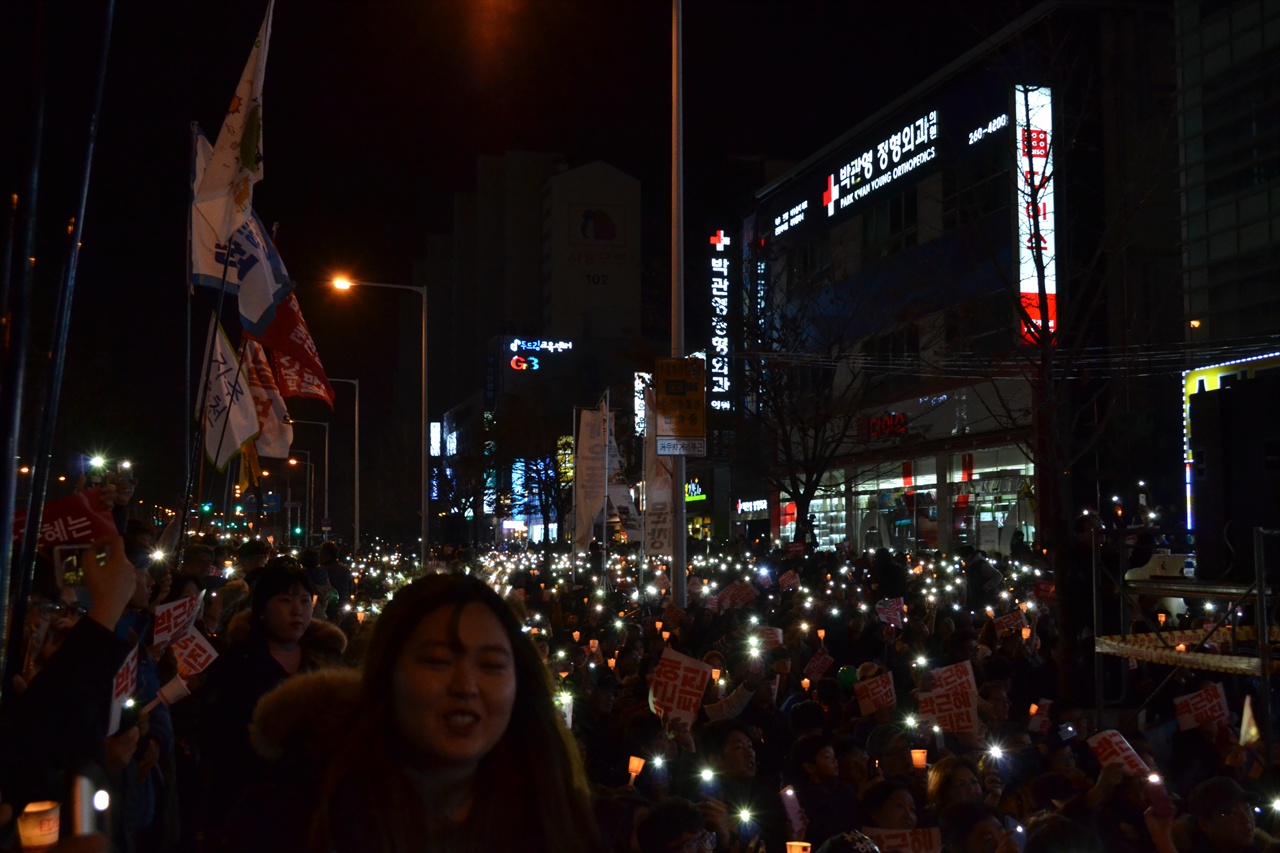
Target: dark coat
[
  {"x": 232, "y": 686},
  {"x": 61, "y": 720}
]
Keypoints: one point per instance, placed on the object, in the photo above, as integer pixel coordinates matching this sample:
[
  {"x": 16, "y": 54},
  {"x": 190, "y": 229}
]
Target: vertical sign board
[
  {"x": 680, "y": 397},
  {"x": 718, "y": 353},
  {"x": 1033, "y": 155}
]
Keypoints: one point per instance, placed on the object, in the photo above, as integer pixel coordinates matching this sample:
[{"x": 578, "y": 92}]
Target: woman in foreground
[{"x": 448, "y": 740}]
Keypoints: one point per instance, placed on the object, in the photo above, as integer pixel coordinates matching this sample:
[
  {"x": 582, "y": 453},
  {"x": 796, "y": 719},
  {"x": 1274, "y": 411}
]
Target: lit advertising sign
[
  {"x": 525, "y": 358},
  {"x": 909, "y": 144},
  {"x": 889, "y": 159},
  {"x": 1033, "y": 153},
  {"x": 718, "y": 389}
]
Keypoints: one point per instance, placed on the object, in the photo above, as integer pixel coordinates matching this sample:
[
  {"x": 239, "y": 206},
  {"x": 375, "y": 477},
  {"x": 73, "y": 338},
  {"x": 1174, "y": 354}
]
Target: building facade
[{"x": 903, "y": 288}]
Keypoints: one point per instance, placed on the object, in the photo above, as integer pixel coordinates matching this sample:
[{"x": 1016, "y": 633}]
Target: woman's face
[
  {"x": 962, "y": 786},
  {"x": 288, "y": 614},
  {"x": 898, "y": 812},
  {"x": 453, "y": 702}
]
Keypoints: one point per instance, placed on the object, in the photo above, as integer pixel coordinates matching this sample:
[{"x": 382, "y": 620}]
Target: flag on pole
[
  {"x": 588, "y": 474},
  {"x": 229, "y": 417},
  {"x": 225, "y": 192},
  {"x": 296, "y": 360},
  {"x": 274, "y": 435},
  {"x": 255, "y": 273}
]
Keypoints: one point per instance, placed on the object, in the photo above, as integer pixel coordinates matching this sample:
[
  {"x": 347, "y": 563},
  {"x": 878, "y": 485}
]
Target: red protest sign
[
  {"x": 958, "y": 676},
  {"x": 75, "y": 518},
  {"x": 789, "y": 580},
  {"x": 905, "y": 840},
  {"x": 950, "y": 710},
  {"x": 736, "y": 594},
  {"x": 677, "y": 686},
  {"x": 672, "y": 616},
  {"x": 194, "y": 654},
  {"x": 875, "y": 694},
  {"x": 1045, "y": 592},
  {"x": 1110, "y": 746},
  {"x": 818, "y": 666},
  {"x": 1207, "y": 705},
  {"x": 890, "y": 611},
  {"x": 1011, "y": 621},
  {"x": 174, "y": 619},
  {"x": 122, "y": 687}
]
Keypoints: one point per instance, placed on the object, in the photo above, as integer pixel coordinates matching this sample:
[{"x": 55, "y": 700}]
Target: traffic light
[
  {"x": 206, "y": 508},
  {"x": 297, "y": 531}
]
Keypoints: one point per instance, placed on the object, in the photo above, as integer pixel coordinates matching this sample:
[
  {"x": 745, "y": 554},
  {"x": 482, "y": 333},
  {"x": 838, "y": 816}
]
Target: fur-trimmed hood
[
  {"x": 307, "y": 713},
  {"x": 322, "y": 639}
]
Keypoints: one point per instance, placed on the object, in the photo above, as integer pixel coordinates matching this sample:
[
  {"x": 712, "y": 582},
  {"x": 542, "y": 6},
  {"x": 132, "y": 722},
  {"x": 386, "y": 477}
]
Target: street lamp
[
  {"x": 311, "y": 504},
  {"x": 345, "y": 284},
  {"x": 326, "y": 461},
  {"x": 355, "y": 545}
]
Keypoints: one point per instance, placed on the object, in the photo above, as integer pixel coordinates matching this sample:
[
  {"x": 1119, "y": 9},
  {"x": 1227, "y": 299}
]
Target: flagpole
[
  {"x": 13, "y": 374},
  {"x": 604, "y": 512}
]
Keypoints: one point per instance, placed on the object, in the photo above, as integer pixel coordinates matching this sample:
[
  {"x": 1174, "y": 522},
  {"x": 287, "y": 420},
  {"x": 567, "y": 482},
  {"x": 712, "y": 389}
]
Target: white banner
[{"x": 588, "y": 474}]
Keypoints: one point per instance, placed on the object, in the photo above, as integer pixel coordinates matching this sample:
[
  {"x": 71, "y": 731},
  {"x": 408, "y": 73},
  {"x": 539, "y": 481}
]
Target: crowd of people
[{"x": 517, "y": 708}]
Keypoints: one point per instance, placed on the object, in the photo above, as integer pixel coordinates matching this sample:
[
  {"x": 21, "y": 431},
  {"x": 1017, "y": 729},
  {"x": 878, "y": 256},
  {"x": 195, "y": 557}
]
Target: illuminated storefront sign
[
  {"x": 693, "y": 491},
  {"x": 718, "y": 381},
  {"x": 519, "y": 362},
  {"x": 639, "y": 382},
  {"x": 518, "y": 345},
  {"x": 1033, "y": 153},
  {"x": 882, "y": 163},
  {"x": 886, "y": 425},
  {"x": 753, "y": 506}
]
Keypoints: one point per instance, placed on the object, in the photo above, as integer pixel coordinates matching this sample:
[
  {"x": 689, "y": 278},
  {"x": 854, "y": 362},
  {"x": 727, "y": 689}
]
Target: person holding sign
[{"x": 448, "y": 739}]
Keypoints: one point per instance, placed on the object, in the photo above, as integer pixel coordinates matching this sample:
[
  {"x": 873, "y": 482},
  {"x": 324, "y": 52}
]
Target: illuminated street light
[{"x": 343, "y": 283}]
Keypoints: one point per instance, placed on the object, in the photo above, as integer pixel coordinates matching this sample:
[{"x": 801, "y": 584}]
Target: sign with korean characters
[
  {"x": 678, "y": 682},
  {"x": 1204, "y": 706},
  {"x": 680, "y": 397}
]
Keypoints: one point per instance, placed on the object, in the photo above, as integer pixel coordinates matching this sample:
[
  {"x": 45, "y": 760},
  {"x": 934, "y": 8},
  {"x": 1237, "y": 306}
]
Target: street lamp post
[
  {"x": 326, "y": 459},
  {"x": 355, "y": 545},
  {"x": 344, "y": 284},
  {"x": 311, "y": 494}
]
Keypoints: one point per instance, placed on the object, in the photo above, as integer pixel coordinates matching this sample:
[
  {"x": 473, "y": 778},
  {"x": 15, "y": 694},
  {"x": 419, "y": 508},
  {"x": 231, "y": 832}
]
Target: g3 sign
[{"x": 520, "y": 362}]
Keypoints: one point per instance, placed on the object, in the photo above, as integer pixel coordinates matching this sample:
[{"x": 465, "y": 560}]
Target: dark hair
[
  {"x": 804, "y": 750},
  {"x": 278, "y": 576},
  {"x": 958, "y": 820},
  {"x": 667, "y": 821},
  {"x": 713, "y": 737},
  {"x": 940, "y": 775},
  {"x": 369, "y": 764},
  {"x": 806, "y": 715},
  {"x": 1055, "y": 833},
  {"x": 252, "y": 548},
  {"x": 329, "y": 548},
  {"x": 879, "y": 793}
]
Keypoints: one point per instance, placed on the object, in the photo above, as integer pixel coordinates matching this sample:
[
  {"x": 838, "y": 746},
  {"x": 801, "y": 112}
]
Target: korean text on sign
[
  {"x": 1207, "y": 705},
  {"x": 875, "y": 694},
  {"x": 174, "y": 619},
  {"x": 194, "y": 654},
  {"x": 1110, "y": 746},
  {"x": 890, "y": 611},
  {"x": 678, "y": 683},
  {"x": 955, "y": 677},
  {"x": 950, "y": 710},
  {"x": 818, "y": 665},
  {"x": 905, "y": 840}
]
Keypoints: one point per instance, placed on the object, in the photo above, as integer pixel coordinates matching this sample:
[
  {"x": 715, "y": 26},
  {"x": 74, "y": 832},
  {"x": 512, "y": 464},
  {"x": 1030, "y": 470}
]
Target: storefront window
[{"x": 990, "y": 497}]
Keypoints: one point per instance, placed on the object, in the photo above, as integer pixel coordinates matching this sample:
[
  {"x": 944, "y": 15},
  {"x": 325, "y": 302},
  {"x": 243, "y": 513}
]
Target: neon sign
[
  {"x": 519, "y": 362},
  {"x": 1033, "y": 154},
  {"x": 718, "y": 388},
  {"x": 518, "y": 345}
]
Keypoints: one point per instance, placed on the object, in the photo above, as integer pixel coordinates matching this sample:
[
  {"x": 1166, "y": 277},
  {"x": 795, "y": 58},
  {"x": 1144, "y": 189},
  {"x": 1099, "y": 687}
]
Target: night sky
[{"x": 374, "y": 114}]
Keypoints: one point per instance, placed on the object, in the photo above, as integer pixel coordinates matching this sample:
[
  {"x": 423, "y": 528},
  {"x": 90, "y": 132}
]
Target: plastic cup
[{"x": 38, "y": 825}]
